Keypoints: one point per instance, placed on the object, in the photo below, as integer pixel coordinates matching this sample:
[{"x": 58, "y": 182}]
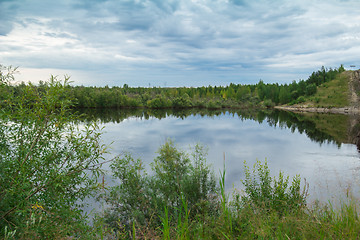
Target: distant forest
[{"x": 211, "y": 97}]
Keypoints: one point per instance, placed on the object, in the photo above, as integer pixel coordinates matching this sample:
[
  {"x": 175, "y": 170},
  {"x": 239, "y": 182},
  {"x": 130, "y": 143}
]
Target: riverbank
[{"x": 300, "y": 109}]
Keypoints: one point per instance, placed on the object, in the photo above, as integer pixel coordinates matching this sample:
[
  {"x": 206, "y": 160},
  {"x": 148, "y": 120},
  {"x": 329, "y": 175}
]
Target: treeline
[
  {"x": 211, "y": 97},
  {"x": 296, "y": 91},
  {"x": 157, "y": 97}
]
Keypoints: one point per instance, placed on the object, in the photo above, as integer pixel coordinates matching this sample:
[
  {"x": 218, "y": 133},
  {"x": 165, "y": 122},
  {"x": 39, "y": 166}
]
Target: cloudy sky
[{"x": 178, "y": 42}]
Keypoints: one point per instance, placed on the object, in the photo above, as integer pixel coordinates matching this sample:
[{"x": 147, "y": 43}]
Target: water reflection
[
  {"x": 319, "y": 147},
  {"x": 321, "y": 128}
]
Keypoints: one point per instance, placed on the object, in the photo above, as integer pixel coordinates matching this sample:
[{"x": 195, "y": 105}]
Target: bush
[
  {"x": 180, "y": 185},
  {"x": 268, "y": 103},
  {"x": 300, "y": 99},
  {"x": 271, "y": 194},
  {"x": 212, "y": 104},
  {"x": 159, "y": 102},
  {"x": 182, "y": 102},
  {"x": 47, "y": 164}
]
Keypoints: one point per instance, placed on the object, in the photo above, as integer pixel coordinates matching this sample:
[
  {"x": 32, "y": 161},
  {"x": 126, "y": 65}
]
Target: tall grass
[
  {"x": 165, "y": 223},
  {"x": 225, "y": 211}
]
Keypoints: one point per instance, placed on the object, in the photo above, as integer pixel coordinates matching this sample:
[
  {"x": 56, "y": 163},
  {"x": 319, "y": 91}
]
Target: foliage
[
  {"x": 159, "y": 102},
  {"x": 212, "y": 97},
  {"x": 310, "y": 89},
  {"x": 182, "y": 102},
  {"x": 48, "y": 165},
  {"x": 182, "y": 185},
  {"x": 270, "y": 194},
  {"x": 268, "y": 103},
  {"x": 271, "y": 208},
  {"x": 6, "y": 77}
]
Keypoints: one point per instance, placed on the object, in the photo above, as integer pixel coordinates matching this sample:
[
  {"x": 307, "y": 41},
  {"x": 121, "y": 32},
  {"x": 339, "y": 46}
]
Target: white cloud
[{"x": 220, "y": 40}]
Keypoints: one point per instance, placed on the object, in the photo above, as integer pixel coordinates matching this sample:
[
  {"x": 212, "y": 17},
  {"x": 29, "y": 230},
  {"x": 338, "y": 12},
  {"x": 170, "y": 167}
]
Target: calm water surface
[{"x": 331, "y": 167}]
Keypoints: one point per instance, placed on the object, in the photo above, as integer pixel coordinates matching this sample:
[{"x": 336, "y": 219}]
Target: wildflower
[{"x": 37, "y": 206}]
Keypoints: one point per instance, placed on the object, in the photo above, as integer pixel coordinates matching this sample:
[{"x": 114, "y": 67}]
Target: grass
[
  {"x": 331, "y": 94},
  {"x": 248, "y": 222}
]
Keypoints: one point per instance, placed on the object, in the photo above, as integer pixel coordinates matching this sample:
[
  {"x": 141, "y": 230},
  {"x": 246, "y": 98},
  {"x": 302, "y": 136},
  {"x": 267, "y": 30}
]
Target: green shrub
[
  {"x": 182, "y": 102},
  {"x": 159, "y": 102},
  {"x": 271, "y": 194},
  {"x": 212, "y": 104},
  {"x": 48, "y": 165},
  {"x": 268, "y": 103},
  {"x": 301, "y": 99},
  {"x": 179, "y": 182}
]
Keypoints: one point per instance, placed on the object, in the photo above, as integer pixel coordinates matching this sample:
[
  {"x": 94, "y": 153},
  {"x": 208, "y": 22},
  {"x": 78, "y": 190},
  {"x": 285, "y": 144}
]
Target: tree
[
  {"x": 284, "y": 95},
  {"x": 260, "y": 87},
  {"x": 310, "y": 89},
  {"x": 47, "y": 164}
]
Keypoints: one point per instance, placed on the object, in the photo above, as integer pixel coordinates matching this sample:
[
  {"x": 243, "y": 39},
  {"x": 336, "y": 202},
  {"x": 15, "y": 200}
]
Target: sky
[{"x": 177, "y": 42}]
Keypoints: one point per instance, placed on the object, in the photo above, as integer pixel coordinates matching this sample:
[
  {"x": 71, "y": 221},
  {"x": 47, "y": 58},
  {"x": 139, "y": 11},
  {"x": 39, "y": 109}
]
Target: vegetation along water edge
[
  {"x": 324, "y": 89},
  {"x": 49, "y": 163}
]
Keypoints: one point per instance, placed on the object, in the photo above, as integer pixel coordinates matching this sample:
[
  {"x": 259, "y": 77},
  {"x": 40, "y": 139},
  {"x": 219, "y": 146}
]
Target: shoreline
[{"x": 343, "y": 110}]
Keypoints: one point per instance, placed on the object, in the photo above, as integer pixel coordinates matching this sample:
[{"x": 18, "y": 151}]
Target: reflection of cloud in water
[{"x": 240, "y": 139}]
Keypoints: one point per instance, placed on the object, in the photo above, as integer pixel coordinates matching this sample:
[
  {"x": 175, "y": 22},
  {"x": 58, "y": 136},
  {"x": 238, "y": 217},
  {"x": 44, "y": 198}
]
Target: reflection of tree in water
[
  {"x": 118, "y": 115},
  {"x": 355, "y": 134},
  {"x": 293, "y": 121},
  {"x": 304, "y": 125}
]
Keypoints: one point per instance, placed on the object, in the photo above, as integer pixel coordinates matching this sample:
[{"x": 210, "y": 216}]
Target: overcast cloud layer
[{"x": 178, "y": 43}]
